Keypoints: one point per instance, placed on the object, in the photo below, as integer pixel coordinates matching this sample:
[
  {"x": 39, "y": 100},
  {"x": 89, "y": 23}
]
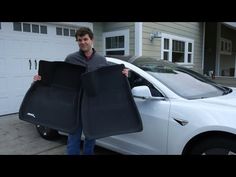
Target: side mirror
[
  {"x": 141, "y": 92},
  {"x": 144, "y": 92}
]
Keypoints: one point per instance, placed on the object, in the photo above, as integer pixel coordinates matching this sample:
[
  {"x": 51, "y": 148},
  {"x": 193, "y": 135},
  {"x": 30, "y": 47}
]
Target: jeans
[{"x": 73, "y": 144}]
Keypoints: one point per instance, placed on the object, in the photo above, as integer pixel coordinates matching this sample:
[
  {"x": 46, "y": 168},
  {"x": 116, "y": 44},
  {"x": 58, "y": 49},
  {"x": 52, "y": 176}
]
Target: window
[
  {"x": 35, "y": 28},
  {"x": 17, "y": 26},
  {"x": 136, "y": 80},
  {"x": 226, "y": 46},
  {"x": 190, "y": 52},
  {"x": 116, "y": 42},
  {"x": 66, "y": 31},
  {"x": 166, "y": 49},
  {"x": 177, "y": 49},
  {"x": 26, "y": 27},
  {"x": 43, "y": 29},
  {"x": 115, "y": 52},
  {"x": 72, "y": 32},
  {"x": 59, "y": 31}
]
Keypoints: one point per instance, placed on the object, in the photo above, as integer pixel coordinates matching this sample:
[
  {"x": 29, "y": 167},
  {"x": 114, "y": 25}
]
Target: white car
[{"x": 182, "y": 112}]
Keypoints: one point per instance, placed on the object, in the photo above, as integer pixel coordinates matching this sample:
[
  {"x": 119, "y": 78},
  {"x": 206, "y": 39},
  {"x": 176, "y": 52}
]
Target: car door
[{"x": 154, "y": 114}]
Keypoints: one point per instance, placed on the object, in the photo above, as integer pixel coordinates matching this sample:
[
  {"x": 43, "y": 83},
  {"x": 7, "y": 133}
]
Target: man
[{"x": 86, "y": 56}]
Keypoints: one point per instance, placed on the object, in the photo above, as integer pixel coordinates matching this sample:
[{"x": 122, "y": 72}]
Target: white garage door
[{"x": 22, "y": 45}]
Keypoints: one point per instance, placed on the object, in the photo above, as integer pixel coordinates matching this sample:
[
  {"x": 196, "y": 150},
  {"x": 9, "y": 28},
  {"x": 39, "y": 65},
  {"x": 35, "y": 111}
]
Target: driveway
[{"x": 18, "y": 137}]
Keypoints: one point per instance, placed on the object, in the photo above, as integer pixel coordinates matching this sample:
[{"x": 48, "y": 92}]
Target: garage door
[{"x": 22, "y": 45}]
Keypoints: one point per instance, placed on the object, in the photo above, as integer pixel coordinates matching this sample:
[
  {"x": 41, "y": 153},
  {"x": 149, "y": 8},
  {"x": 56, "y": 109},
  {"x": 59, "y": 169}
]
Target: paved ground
[{"x": 18, "y": 137}]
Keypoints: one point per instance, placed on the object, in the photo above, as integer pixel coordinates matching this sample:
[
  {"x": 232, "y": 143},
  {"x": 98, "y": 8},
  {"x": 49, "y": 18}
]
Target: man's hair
[{"x": 83, "y": 31}]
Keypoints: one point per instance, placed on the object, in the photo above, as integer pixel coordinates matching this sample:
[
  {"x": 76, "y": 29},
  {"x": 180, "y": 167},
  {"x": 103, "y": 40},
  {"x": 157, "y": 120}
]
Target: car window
[
  {"x": 136, "y": 80},
  {"x": 182, "y": 81}
]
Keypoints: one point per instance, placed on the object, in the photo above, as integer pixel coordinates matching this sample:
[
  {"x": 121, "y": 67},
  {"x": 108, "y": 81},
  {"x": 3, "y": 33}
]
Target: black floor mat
[
  {"x": 53, "y": 101},
  {"x": 108, "y": 107},
  {"x": 66, "y": 95}
]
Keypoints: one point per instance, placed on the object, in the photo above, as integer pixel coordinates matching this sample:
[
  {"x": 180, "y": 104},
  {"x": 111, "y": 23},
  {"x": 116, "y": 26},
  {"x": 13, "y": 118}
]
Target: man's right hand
[{"x": 37, "y": 78}]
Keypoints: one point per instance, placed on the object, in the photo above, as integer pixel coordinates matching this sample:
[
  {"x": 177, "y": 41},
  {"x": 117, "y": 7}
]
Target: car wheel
[
  {"x": 215, "y": 146},
  {"x": 47, "y": 133}
]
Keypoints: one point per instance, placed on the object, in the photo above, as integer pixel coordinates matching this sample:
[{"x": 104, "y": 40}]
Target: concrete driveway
[{"x": 18, "y": 137}]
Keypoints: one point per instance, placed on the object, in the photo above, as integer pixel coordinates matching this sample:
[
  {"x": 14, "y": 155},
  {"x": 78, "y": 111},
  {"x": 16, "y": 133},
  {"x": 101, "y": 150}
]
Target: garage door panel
[
  {"x": 21, "y": 66},
  {"x": 56, "y": 51},
  {"x": 3, "y": 67},
  {"x": 22, "y": 84},
  {"x": 3, "y": 87},
  {"x": 17, "y": 103},
  {"x": 18, "y": 48},
  {"x": 3, "y": 96},
  {"x": 20, "y": 53},
  {"x": 4, "y": 106}
]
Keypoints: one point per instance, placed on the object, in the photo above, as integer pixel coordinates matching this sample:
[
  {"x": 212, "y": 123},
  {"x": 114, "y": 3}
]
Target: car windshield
[{"x": 183, "y": 81}]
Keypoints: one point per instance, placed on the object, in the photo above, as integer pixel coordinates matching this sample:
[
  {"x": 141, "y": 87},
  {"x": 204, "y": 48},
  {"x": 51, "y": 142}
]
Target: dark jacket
[{"x": 91, "y": 64}]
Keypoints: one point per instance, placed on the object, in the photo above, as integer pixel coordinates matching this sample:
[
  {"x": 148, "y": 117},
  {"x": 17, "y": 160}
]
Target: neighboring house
[
  {"x": 201, "y": 46},
  {"x": 220, "y": 51}
]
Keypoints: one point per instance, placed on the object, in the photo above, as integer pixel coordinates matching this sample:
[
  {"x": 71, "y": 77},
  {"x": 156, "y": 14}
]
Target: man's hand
[
  {"x": 125, "y": 72},
  {"x": 37, "y": 78}
]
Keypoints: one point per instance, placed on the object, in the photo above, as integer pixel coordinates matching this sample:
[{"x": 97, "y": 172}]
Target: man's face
[{"x": 85, "y": 43}]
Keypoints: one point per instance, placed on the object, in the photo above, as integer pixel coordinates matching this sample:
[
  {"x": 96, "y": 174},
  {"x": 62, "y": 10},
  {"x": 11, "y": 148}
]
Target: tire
[
  {"x": 215, "y": 146},
  {"x": 47, "y": 133}
]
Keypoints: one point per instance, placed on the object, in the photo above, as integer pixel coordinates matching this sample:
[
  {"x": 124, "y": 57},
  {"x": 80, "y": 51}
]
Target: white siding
[{"x": 192, "y": 30}]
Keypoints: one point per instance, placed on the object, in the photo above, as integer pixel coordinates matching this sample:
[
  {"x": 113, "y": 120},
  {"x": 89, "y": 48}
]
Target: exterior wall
[
  {"x": 98, "y": 41},
  {"x": 114, "y": 26},
  {"x": 227, "y": 62},
  {"x": 229, "y": 34},
  {"x": 210, "y": 47},
  {"x": 192, "y": 30}
]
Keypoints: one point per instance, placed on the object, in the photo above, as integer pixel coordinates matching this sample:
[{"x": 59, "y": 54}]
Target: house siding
[
  {"x": 98, "y": 41},
  {"x": 192, "y": 30},
  {"x": 229, "y": 34},
  {"x": 228, "y": 61},
  {"x": 115, "y": 26}
]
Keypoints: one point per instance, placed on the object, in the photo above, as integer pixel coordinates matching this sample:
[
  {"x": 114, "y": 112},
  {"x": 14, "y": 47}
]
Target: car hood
[{"x": 224, "y": 100}]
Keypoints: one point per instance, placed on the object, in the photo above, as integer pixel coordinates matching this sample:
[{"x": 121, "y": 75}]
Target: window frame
[
  {"x": 17, "y": 30},
  {"x": 225, "y": 50},
  {"x": 62, "y": 28},
  {"x": 31, "y": 28},
  {"x": 38, "y": 28},
  {"x": 177, "y": 38},
  {"x": 124, "y": 33},
  {"x": 41, "y": 29},
  {"x": 24, "y": 29},
  {"x": 66, "y": 32}
]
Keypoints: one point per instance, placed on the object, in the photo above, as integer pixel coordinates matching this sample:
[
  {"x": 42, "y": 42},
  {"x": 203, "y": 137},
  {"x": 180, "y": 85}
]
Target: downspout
[
  {"x": 203, "y": 44},
  {"x": 218, "y": 36},
  {"x": 235, "y": 66},
  {"x": 138, "y": 30}
]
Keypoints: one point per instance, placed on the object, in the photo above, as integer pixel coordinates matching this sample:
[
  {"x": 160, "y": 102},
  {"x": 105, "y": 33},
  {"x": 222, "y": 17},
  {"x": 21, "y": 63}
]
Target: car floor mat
[
  {"x": 54, "y": 100},
  {"x": 108, "y": 107}
]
